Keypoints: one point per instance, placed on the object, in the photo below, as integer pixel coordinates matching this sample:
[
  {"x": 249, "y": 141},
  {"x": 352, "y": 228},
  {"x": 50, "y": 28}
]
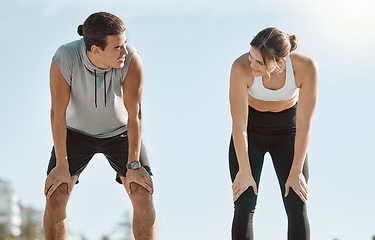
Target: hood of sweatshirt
[{"x": 97, "y": 72}]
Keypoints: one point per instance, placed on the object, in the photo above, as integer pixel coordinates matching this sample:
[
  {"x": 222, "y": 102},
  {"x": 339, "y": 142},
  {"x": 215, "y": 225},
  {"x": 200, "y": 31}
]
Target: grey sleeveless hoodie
[{"x": 96, "y": 106}]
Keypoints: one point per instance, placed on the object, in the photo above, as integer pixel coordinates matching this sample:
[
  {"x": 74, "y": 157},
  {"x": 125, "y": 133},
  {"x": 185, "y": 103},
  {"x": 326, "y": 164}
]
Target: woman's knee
[
  {"x": 295, "y": 208},
  {"x": 246, "y": 202}
]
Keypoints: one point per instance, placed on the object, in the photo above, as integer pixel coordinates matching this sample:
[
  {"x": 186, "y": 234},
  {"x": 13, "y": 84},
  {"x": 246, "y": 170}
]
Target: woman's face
[{"x": 257, "y": 65}]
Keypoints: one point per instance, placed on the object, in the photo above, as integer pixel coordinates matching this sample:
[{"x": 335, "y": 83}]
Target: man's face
[{"x": 114, "y": 53}]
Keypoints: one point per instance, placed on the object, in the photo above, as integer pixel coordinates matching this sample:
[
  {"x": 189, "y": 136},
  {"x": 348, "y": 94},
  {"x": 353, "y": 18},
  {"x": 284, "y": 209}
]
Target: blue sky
[{"x": 187, "y": 48}]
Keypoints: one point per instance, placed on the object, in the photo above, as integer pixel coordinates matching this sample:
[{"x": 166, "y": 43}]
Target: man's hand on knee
[
  {"x": 139, "y": 176},
  {"x": 55, "y": 178}
]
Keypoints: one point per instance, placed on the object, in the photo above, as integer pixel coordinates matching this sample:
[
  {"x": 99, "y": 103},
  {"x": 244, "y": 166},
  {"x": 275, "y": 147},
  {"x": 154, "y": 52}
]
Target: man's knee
[
  {"x": 59, "y": 197},
  {"x": 141, "y": 198}
]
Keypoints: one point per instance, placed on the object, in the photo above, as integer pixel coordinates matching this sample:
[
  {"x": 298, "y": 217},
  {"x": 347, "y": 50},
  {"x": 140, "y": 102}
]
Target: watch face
[{"x": 135, "y": 165}]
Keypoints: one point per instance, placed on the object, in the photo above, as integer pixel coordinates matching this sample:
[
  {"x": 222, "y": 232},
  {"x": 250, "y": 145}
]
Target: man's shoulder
[
  {"x": 128, "y": 58},
  {"x": 131, "y": 49},
  {"x": 71, "y": 48}
]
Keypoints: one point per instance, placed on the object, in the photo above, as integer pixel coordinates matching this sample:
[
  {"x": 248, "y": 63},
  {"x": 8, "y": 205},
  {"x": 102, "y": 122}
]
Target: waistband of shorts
[{"x": 82, "y": 134}]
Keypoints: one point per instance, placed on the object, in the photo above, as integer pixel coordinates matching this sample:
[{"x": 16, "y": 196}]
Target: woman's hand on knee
[
  {"x": 241, "y": 183},
  {"x": 298, "y": 183}
]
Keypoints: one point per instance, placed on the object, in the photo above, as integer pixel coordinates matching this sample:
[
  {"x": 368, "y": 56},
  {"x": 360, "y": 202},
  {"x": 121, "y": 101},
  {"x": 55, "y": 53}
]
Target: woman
[{"x": 265, "y": 85}]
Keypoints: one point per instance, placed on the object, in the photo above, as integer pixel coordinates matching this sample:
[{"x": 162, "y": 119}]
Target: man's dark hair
[{"x": 97, "y": 27}]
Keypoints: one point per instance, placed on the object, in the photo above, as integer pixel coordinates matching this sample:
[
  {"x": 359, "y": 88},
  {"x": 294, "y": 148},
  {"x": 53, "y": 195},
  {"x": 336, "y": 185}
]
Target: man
[{"x": 96, "y": 90}]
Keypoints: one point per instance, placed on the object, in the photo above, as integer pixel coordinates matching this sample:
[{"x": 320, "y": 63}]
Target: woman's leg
[
  {"x": 282, "y": 152},
  {"x": 244, "y": 207}
]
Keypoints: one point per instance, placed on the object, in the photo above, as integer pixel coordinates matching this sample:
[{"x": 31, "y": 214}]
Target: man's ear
[{"x": 96, "y": 50}]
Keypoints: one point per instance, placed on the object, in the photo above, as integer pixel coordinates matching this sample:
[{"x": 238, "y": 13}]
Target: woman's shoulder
[
  {"x": 241, "y": 66},
  {"x": 302, "y": 62},
  {"x": 305, "y": 69}
]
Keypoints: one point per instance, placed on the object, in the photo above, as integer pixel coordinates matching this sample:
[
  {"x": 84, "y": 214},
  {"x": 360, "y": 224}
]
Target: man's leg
[
  {"x": 144, "y": 220},
  {"x": 55, "y": 223}
]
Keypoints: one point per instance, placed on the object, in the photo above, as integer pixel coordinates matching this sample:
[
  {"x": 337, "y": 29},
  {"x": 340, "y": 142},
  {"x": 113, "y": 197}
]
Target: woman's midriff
[{"x": 271, "y": 106}]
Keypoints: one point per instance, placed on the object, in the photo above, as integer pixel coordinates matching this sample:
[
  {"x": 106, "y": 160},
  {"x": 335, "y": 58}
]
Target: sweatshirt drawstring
[
  {"x": 96, "y": 101},
  {"x": 105, "y": 91}
]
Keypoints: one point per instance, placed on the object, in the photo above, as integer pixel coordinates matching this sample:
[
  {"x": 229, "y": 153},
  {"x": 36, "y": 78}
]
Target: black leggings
[{"x": 273, "y": 133}]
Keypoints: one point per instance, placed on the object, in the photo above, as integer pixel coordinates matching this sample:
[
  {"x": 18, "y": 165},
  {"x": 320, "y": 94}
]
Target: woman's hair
[
  {"x": 274, "y": 44},
  {"x": 97, "y": 27}
]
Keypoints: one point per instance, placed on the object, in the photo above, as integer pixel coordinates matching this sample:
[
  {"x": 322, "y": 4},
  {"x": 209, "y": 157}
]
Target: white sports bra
[{"x": 288, "y": 91}]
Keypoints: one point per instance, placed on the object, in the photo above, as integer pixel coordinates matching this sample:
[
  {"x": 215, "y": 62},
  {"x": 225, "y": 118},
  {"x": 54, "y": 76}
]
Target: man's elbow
[
  {"x": 57, "y": 114},
  {"x": 139, "y": 115},
  {"x": 135, "y": 116}
]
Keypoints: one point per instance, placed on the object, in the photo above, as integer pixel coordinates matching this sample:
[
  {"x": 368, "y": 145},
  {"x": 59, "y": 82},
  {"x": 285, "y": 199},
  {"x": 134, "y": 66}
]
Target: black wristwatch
[{"x": 133, "y": 165}]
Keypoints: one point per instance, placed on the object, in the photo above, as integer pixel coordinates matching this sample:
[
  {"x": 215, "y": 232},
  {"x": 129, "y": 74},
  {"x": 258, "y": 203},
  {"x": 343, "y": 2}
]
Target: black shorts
[{"x": 81, "y": 148}]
